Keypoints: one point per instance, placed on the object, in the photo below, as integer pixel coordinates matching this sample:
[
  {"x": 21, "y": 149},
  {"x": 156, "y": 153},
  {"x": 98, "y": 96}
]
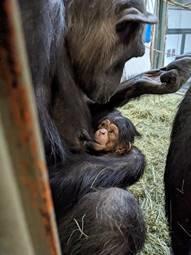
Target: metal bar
[
  {"x": 25, "y": 193},
  {"x": 183, "y": 43},
  {"x": 179, "y": 31},
  {"x": 160, "y": 32}
]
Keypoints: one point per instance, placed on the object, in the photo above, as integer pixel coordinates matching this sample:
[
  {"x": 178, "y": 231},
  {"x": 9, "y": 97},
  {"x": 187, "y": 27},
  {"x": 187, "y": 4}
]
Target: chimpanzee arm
[
  {"x": 84, "y": 173},
  {"x": 165, "y": 80},
  {"x": 162, "y": 81}
]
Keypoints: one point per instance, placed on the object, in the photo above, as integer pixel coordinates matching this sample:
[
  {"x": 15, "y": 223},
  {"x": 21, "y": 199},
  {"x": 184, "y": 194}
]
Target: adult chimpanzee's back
[{"x": 178, "y": 180}]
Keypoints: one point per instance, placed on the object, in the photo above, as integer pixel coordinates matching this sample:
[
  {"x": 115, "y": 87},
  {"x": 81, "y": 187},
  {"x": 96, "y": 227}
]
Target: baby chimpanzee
[{"x": 114, "y": 133}]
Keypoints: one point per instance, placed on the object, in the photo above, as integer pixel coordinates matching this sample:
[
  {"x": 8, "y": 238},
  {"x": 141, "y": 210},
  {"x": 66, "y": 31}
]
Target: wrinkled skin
[
  {"x": 178, "y": 180},
  {"x": 77, "y": 53},
  {"x": 107, "y": 136}
]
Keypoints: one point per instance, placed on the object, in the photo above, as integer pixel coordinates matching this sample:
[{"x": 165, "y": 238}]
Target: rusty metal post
[{"x": 27, "y": 221}]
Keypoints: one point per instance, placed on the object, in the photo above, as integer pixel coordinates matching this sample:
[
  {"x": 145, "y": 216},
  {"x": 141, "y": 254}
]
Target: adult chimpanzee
[
  {"x": 178, "y": 180},
  {"x": 77, "y": 54}
]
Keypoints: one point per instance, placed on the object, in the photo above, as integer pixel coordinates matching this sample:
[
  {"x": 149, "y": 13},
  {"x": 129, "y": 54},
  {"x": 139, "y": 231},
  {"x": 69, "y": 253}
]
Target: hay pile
[{"x": 153, "y": 116}]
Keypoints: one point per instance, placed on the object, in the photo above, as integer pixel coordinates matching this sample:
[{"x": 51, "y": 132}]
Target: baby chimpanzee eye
[{"x": 101, "y": 125}]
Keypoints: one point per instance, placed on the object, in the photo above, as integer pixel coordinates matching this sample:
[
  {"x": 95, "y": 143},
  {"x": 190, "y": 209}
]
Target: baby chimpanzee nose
[{"x": 103, "y": 131}]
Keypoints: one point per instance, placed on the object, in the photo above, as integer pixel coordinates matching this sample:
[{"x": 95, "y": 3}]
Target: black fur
[
  {"x": 178, "y": 180},
  {"x": 123, "y": 234}
]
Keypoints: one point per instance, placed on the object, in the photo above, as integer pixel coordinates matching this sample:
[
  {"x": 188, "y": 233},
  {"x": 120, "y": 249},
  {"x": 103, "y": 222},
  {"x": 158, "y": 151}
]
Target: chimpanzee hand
[
  {"x": 87, "y": 141},
  {"x": 161, "y": 81},
  {"x": 85, "y": 136},
  {"x": 167, "y": 79},
  {"x": 177, "y": 73}
]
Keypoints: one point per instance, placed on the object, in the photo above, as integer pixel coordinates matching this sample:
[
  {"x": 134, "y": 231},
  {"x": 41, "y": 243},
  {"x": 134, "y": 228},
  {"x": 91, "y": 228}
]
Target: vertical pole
[
  {"x": 27, "y": 217},
  {"x": 160, "y": 33}
]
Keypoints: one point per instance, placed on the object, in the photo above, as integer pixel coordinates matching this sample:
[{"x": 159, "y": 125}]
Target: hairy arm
[{"x": 161, "y": 81}]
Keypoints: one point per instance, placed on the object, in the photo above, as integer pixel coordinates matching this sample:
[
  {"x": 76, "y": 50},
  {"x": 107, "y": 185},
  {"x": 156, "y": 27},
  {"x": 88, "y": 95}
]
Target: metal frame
[
  {"x": 160, "y": 32},
  {"x": 26, "y": 211},
  {"x": 180, "y": 31}
]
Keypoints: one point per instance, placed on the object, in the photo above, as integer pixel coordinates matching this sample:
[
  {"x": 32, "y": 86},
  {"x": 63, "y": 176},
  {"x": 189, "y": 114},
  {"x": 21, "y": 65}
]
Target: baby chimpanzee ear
[
  {"x": 131, "y": 131},
  {"x": 123, "y": 148}
]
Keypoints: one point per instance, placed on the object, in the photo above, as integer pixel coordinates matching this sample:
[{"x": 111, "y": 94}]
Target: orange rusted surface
[{"x": 30, "y": 166}]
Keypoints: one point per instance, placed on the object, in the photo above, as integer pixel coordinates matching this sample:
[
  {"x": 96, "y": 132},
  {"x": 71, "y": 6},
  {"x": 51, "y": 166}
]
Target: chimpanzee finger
[
  {"x": 181, "y": 64},
  {"x": 170, "y": 76},
  {"x": 85, "y": 136},
  {"x": 183, "y": 67},
  {"x": 183, "y": 56}
]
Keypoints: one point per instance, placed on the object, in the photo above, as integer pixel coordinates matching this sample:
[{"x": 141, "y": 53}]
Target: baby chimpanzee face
[
  {"x": 115, "y": 134},
  {"x": 107, "y": 135}
]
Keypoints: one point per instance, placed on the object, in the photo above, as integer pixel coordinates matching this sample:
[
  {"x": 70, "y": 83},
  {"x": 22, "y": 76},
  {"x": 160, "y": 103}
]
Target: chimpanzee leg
[
  {"x": 107, "y": 222},
  {"x": 178, "y": 180},
  {"x": 79, "y": 176}
]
